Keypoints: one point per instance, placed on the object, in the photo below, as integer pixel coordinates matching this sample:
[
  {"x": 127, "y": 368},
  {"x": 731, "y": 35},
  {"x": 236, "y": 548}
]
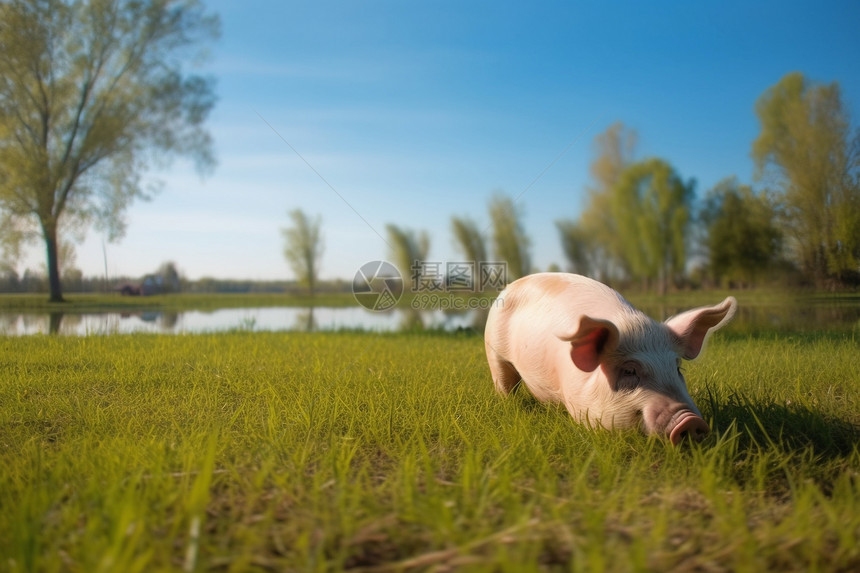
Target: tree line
[
  {"x": 510, "y": 244},
  {"x": 643, "y": 223},
  {"x": 93, "y": 93}
]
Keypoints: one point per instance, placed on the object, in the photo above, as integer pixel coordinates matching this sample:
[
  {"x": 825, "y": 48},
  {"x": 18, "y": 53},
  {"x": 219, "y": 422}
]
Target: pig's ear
[
  {"x": 692, "y": 327},
  {"x": 592, "y": 338}
]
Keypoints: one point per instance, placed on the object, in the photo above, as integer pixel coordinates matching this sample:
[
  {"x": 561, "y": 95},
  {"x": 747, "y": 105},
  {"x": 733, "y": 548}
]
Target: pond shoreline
[
  {"x": 782, "y": 315},
  {"x": 258, "y": 319}
]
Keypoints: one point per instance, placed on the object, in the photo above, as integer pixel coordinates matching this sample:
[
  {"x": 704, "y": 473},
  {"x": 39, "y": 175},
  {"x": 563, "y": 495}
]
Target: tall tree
[
  {"x": 469, "y": 239},
  {"x": 168, "y": 277},
  {"x": 742, "y": 237},
  {"x": 651, "y": 207},
  {"x": 578, "y": 245},
  {"x": 807, "y": 144},
  {"x": 409, "y": 252},
  {"x": 303, "y": 248},
  {"x": 510, "y": 242},
  {"x": 614, "y": 152},
  {"x": 91, "y": 93}
]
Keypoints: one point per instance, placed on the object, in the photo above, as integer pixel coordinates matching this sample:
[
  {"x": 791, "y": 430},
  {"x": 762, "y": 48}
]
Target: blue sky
[{"x": 415, "y": 112}]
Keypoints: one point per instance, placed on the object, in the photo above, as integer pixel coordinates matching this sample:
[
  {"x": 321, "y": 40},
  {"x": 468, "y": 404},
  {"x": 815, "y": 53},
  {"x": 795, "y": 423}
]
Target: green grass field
[{"x": 329, "y": 452}]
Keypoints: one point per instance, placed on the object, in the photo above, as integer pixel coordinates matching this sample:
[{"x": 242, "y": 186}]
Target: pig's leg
[{"x": 505, "y": 376}]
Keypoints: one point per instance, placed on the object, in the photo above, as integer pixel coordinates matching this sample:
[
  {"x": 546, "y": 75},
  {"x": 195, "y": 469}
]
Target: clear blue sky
[{"x": 417, "y": 112}]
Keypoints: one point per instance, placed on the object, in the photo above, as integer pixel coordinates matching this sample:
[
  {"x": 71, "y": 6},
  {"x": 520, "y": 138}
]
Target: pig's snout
[{"x": 689, "y": 425}]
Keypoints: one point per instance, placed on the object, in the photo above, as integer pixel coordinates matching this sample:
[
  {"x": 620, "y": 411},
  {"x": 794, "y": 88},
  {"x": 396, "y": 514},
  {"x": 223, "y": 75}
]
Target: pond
[
  {"x": 808, "y": 315},
  {"x": 232, "y": 319}
]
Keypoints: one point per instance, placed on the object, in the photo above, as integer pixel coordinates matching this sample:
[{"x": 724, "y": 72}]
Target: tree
[
  {"x": 169, "y": 278},
  {"x": 578, "y": 245},
  {"x": 806, "y": 143},
  {"x": 304, "y": 248},
  {"x": 66, "y": 259},
  {"x": 9, "y": 281},
  {"x": 469, "y": 239},
  {"x": 92, "y": 93},
  {"x": 742, "y": 235},
  {"x": 651, "y": 207},
  {"x": 409, "y": 252},
  {"x": 510, "y": 242},
  {"x": 615, "y": 151},
  {"x": 13, "y": 234}
]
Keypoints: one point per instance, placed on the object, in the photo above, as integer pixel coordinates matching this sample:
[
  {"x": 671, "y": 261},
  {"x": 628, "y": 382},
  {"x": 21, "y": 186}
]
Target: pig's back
[{"x": 532, "y": 309}]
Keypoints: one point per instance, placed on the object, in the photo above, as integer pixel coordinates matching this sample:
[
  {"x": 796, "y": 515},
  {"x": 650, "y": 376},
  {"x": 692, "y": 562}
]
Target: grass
[{"x": 329, "y": 452}]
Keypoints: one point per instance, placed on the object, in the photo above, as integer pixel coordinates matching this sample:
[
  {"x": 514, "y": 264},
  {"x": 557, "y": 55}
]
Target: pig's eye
[{"x": 628, "y": 377}]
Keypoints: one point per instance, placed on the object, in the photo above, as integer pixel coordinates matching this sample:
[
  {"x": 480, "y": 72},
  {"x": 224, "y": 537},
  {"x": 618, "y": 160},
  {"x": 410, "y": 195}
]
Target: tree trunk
[{"x": 50, "y": 232}]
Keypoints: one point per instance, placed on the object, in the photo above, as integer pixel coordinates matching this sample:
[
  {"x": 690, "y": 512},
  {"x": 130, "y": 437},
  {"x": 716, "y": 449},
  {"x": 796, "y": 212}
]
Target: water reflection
[
  {"x": 239, "y": 319},
  {"x": 55, "y": 319},
  {"x": 305, "y": 320},
  {"x": 830, "y": 315}
]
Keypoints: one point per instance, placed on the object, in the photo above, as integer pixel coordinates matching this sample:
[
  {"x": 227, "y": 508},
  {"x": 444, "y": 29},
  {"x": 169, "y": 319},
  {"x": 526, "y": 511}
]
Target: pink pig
[{"x": 576, "y": 341}]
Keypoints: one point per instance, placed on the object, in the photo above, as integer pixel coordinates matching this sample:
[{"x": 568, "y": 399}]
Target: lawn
[{"x": 348, "y": 451}]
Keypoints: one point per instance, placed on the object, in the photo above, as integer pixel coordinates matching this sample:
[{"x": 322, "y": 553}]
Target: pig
[{"x": 574, "y": 340}]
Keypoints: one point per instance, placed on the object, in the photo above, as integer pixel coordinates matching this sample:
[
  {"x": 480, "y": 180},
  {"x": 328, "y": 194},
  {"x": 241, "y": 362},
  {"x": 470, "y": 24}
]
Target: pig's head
[{"x": 635, "y": 363}]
